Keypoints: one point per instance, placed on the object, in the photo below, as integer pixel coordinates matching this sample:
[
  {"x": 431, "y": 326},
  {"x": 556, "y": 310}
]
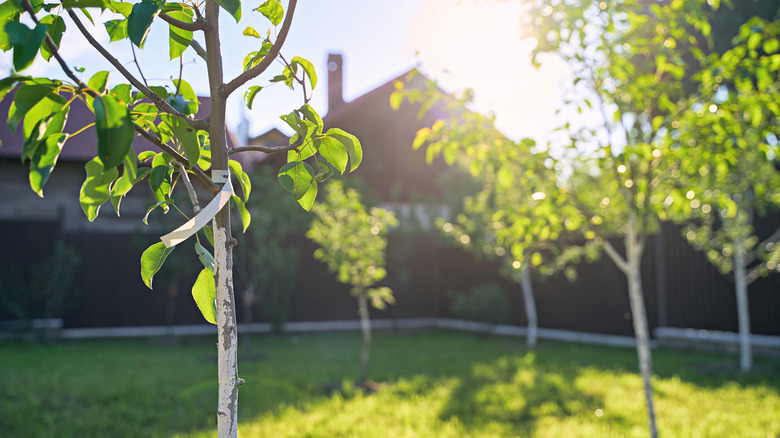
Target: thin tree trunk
[
  {"x": 631, "y": 267},
  {"x": 227, "y": 333},
  {"x": 642, "y": 333},
  {"x": 743, "y": 310},
  {"x": 365, "y": 325},
  {"x": 530, "y": 306}
]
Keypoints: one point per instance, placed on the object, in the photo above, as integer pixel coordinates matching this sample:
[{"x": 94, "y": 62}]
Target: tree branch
[
  {"x": 615, "y": 256},
  {"x": 773, "y": 238},
  {"x": 190, "y": 190},
  {"x": 198, "y": 49},
  {"x": 753, "y": 275},
  {"x": 227, "y": 89},
  {"x": 176, "y": 156},
  {"x": 266, "y": 149},
  {"x": 161, "y": 103},
  {"x": 196, "y": 25},
  {"x": 56, "y": 53}
]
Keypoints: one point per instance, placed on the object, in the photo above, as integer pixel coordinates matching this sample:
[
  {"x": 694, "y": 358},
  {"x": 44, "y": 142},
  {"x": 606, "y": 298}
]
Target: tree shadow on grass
[{"x": 514, "y": 391}]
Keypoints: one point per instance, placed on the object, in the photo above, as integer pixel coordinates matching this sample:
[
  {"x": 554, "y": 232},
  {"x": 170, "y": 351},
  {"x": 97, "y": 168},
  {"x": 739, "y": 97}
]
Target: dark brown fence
[{"x": 682, "y": 288}]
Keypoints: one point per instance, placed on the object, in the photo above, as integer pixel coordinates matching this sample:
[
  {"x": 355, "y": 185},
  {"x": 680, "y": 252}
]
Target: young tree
[
  {"x": 188, "y": 146},
  {"x": 731, "y": 175},
  {"x": 518, "y": 214},
  {"x": 353, "y": 243}
]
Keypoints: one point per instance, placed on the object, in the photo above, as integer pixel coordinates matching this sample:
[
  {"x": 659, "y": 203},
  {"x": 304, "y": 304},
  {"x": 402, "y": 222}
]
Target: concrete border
[{"x": 317, "y": 326}]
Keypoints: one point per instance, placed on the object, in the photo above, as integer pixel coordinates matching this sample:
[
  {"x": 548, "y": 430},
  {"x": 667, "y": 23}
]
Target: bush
[{"x": 486, "y": 303}]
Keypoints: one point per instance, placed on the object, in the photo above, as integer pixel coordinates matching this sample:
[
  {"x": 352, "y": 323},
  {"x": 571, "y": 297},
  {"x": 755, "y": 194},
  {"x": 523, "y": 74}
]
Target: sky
[{"x": 460, "y": 43}]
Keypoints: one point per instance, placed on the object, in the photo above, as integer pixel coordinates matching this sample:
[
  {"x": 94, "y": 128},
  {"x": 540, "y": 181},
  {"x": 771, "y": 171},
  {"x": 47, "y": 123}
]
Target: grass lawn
[{"x": 433, "y": 384}]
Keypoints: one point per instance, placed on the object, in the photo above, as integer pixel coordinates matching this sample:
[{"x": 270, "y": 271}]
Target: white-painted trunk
[
  {"x": 365, "y": 326},
  {"x": 227, "y": 334},
  {"x": 642, "y": 334},
  {"x": 631, "y": 267},
  {"x": 530, "y": 306},
  {"x": 743, "y": 312}
]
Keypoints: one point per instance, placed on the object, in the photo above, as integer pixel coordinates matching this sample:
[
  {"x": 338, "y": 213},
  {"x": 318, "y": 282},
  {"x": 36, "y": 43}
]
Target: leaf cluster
[{"x": 353, "y": 241}]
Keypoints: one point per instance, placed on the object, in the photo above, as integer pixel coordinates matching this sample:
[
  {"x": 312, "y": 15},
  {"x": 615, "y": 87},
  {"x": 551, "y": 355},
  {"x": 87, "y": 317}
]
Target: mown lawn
[{"x": 433, "y": 384}]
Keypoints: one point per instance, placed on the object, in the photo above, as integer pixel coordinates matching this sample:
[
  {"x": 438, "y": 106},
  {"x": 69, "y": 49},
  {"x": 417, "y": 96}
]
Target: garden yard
[{"x": 431, "y": 384}]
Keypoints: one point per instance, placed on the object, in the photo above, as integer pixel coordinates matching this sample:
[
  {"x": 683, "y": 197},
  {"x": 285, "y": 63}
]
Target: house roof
[{"x": 82, "y": 147}]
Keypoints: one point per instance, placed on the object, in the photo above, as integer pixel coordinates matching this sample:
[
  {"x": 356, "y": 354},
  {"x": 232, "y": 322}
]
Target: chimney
[{"x": 335, "y": 81}]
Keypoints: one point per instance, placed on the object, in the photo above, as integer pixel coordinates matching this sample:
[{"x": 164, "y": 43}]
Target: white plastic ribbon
[{"x": 201, "y": 219}]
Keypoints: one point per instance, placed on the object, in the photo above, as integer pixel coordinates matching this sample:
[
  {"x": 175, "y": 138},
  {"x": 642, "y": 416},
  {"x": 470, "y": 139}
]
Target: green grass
[{"x": 433, "y": 384}]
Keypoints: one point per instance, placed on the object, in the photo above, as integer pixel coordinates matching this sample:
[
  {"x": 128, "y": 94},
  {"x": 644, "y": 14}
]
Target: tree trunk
[
  {"x": 631, "y": 267},
  {"x": 227, "y": 333},
  {"x": 530, "y": 306},
  {"x": 365, "y": 325},
  {"x": 743, "y": 310},
  {"x": 642, "y": 333}
]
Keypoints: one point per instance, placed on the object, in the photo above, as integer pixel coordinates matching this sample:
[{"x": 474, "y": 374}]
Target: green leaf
[
  {"x": 249, "y": 95},
  {"x": 186, "y": 101},
  {"x": 164, "y": 204},
  {"x": 99, "y": 82},
  {"x": 312, "y": 116},
  {"x": 152, "y": 260},
  {"x": 8, "y": 84},
  {"x": 243, "y": 178},
  {"x": 296, "y": 178},
  {"x": 130, "y": 176},
  {"x": 273, "y": 10},
  {"x": 179, "y": 39},
  {"x": 307, "y": 200},
  {"x": 122, "y": 92},
  {"x": 204, "y": 292},
  {"x": 117, "y": 29},
  {"x": 115, "y": 130},
  {"x": 233, "y": 7},
  {"x": 51, "y": 124},
  {"x": 351, "y": 143},
  {"x": 209, "y": 232},
  {"x": 204, "y": 256},
  {"x": 160, "y": 182},
  {"x": 56, "y": 29},
  {"x": 396, "y": 99},
  {"x": 121, "y": 7},
  {"x": 333, "y": 151},
  {"x": 27, "y": 97},
  {"x": 771, "y": 46},
  {"x": 307, "y": 67},
  {"x": 43, "y": 161},
  {"x": 250, "y": 31},
  {"x": 102, "y": 4},
  {"x": 246, "y": 218},
  {"x": 140, "y": 19},
  {"x": 187, "y": 136},
  {"x": 9, "y": 11},
  {"x": 95, "y": 190},
  {"x": 160, "y": 91},
  {"x": 25, "y": 41},
  {"x": 145, "y": 155}
]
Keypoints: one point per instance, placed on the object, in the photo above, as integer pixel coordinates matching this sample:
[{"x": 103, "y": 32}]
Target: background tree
[
  {"x": 730, "y": 172},
  {"x": 518, "y": 214},
  {"x": 630, "y": 62},
  {"x": 188, "y": 145},
  {"x": 353, "y": 243}
]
